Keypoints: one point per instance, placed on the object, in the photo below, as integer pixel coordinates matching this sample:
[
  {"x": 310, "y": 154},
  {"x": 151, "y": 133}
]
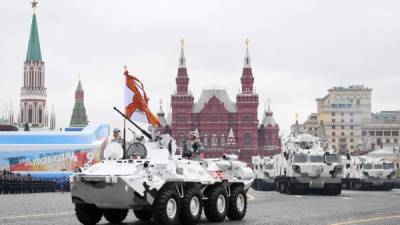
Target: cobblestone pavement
[{"x": 352, "y": 207}]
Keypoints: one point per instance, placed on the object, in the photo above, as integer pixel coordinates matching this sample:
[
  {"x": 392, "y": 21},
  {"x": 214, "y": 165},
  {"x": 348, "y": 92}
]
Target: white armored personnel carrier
[
  {"x": 157, "y": 184},
  {"x": 367, "y": 173},
  {"x": 264, "y": 172},
  {"x": 304, "y": 165}
]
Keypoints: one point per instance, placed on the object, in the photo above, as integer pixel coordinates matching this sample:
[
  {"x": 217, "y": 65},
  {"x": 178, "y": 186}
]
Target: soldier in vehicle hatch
[
  {"x": 192, "y": 148},
  {"x": 117, "y": 136}
]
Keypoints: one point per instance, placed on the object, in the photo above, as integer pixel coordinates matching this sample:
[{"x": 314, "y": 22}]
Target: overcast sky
[{"x": 299, "y": 49}]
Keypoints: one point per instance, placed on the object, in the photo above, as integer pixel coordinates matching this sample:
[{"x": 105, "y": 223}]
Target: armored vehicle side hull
[{"x": 168, "y": 192}]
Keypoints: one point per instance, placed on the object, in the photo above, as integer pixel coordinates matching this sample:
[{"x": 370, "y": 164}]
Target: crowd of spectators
[{"x": 14, "y": 183}]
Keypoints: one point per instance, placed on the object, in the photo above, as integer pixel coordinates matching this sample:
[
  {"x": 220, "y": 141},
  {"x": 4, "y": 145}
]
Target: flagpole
[
  {"x": 125, "y": 69},
  {"x": 124, "y": 134}
]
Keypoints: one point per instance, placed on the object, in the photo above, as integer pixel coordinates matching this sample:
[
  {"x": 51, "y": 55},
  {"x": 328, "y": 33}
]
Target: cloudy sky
[{"x": 299, "y": 49}]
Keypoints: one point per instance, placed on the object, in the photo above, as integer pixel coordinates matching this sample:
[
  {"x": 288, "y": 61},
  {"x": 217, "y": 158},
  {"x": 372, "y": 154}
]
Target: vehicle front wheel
[
  {"x": 237, "y": 203},
  {"x": 166, "y": 207},
  {"x": 143, "y": 214},
  {"x": 115, "y": 215},
  {"x": 88, "y": 214},
  {"x": 216, "y": 205}
]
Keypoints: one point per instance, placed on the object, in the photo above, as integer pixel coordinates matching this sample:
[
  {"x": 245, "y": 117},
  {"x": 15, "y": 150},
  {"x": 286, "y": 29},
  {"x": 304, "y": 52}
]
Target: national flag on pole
[{"x": 136, "y": 101}]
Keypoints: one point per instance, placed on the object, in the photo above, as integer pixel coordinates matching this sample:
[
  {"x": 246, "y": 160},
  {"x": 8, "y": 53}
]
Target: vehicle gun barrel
[{"x": 145, "y": 133}]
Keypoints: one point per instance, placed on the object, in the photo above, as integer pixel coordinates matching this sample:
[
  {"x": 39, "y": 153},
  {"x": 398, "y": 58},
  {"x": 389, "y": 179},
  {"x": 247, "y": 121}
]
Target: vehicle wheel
[
  {"x": 88, "y": 214},
  {"x": 281, "y": 187},
  {"x": 237, "y": 204},
  {"x": 300, "y": 189},
  {"x": 166, "y": 207},
  {"x": 191, "y": 206},
  {"x": 277, "y": 186},
  {"x": 216, "y": 205},
  {"x": 338, "y": 189},
  {"x": 143, "y": 215},
  {"x": 115, "y": 215},
  {"x": 290, "y": 188},
  {"x": 331, "y": 189}
]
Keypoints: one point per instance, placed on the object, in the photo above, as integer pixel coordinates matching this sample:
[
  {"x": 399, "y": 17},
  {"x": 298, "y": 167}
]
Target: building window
[
  {"x": 214, "y": 140},
  {"x": 40, "y": 115},
  {"x": 333, "y": 121},
  {"x": 342, "y": 133},
  {"x": 348, "y": 106},
  {"x": 205, "y": 139},
  {"x": 334, "y": 106},
  {"x": 333, "y": 127},
  {"x": 30, "y": 114},
  {"x": 351, "y": 140},
  {"x": 269, "y": 140},
  {"x": 372, "y": 133},
  {"x": 386, "y": 133},
  {"x": 351, "y": 120},
  {"x": 333, "y": 133},
  {"x": 222, "y": 139},
  {"x": 341, "y": 113},
  {"x": 351, "y": 134},
  {"x": 387, "y": 141},
  {"x": 342, "y": 120},
  {"x": 395, "y": 141},
  {"x": 310, "y": 129},
  {"x": 351, "y": 146},
  {"x": 247, "y": 139},
  {"x": 395, "y": 133},
  {"x": 351, "y": 127},
  {"x": 379, "y": 133},
  {"x": 342, "y": 127},
  {"x": 181, "y": 140},
  {"x": 364, "y": 133},
  {"x": 333, "y": 140},
  {"x": 351, "y": 114},
  {"x": 333, "y": 113},
  {"x": 334, "y": 147}
]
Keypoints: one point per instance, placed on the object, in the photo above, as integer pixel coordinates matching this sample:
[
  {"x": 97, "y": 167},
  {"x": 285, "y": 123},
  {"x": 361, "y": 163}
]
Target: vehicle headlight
[
  {"x": 391, "y": 175},
  {"x": 296, "y": 168},
  {"x": 338, "y": 169}
]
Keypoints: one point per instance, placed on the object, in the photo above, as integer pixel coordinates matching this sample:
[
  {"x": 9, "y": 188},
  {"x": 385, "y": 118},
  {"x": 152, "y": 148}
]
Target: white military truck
[
  {"x": 157, "y": 184},
  {"x": 305, "y": 166},
  {"x": 368, "y": 173},
  {"x": 264, "y": 172}
]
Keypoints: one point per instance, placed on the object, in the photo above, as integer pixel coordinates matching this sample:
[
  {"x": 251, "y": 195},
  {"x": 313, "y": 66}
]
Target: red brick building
[{"x": 224, "y": 126}]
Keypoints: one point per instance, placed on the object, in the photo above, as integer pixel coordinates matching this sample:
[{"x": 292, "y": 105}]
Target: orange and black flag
[{"x": 136, "y": 101}]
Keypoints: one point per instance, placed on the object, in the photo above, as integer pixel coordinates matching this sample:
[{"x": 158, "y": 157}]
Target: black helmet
[{"x": 116, "y": 130}]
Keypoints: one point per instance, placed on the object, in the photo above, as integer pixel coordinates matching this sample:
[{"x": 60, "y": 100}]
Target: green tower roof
[
  {"x": 34, "y": 53},
  {"x": 79, "y": 87}
]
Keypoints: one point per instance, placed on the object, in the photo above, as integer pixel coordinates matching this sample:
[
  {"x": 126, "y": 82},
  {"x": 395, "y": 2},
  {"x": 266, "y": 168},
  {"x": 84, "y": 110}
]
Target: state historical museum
[{"x": 224, "y": 126}]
